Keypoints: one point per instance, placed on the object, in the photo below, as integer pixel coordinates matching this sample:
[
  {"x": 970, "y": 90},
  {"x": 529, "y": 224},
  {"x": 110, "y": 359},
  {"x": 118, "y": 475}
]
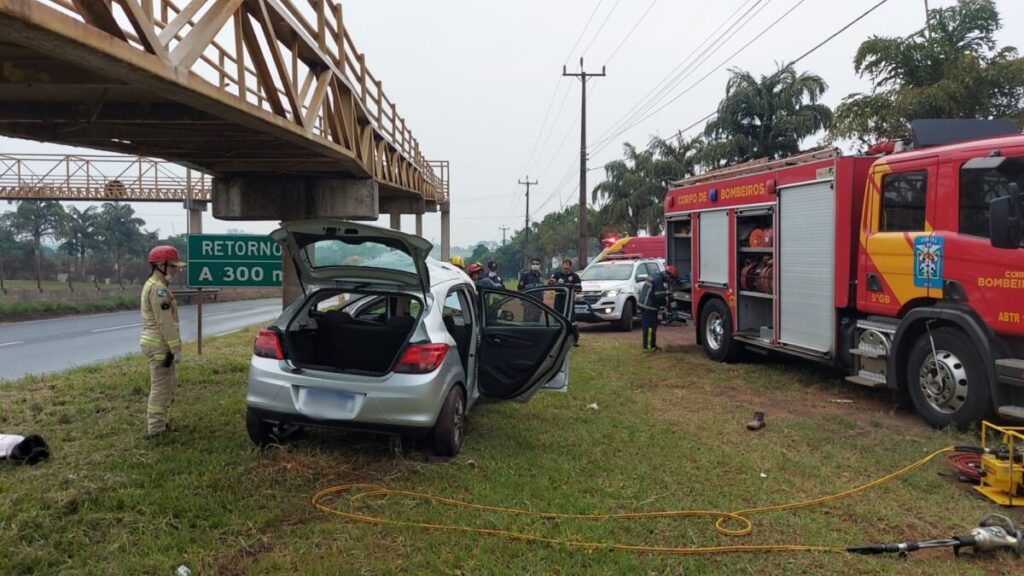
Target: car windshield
[
  {"x": 608, "y": 272},
  {"x": 363, "y": 254}
]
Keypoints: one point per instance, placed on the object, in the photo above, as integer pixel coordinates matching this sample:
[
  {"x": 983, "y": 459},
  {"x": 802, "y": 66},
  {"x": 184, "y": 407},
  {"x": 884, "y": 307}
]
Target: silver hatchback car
[{"x": 386, "y": 339}]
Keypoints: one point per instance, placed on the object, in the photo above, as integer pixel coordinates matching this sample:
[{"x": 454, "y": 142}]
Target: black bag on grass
[{"x": 31, "y": 449}]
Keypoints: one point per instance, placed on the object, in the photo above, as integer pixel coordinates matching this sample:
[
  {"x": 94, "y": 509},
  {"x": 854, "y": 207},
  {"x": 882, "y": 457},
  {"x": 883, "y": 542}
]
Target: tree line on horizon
[{"x": 952, "y": 68}]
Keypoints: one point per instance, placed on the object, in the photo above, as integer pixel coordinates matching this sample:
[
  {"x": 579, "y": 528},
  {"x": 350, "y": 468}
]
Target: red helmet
[
  {"x": 165, "y": 255},
  {"x": 672, "y": 271},
  {"x": 474, "y": 268}
]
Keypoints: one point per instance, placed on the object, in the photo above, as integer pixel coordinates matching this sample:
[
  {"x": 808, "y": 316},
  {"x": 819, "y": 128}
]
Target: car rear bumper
[{"x": 382, "y": 403}]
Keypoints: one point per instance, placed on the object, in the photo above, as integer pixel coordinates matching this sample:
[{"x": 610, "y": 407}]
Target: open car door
[
  {"x": 523, "y": 346},
  {"x": 560, "y": 299}
]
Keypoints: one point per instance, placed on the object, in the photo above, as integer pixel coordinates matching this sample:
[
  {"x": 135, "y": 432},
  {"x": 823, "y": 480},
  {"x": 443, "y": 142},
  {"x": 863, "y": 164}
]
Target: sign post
[{"x": 231, "y": 261}]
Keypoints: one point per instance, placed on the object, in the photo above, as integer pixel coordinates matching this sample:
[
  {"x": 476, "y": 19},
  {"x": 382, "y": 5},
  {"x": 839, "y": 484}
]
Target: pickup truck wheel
[
  {"x": 716, "y": 333},
  {"x": 947, "y": 381},
  {"x": 446, "y": 438},
  {"x": 625, "y": 322}
]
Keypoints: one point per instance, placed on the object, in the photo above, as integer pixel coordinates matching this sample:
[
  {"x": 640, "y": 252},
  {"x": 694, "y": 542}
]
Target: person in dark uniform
[
  {"x": 652, "y": 297},
  {"x": 492, "y": 274},
  {"x": 531, "y": 278},
  {"x": 566, "y": 277}
]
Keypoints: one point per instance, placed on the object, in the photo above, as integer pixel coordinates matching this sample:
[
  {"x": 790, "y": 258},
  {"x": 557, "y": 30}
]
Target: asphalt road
[{"x": 42, "y": 346}]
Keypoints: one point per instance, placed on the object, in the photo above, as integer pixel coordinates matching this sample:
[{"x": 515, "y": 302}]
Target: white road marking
[
  {"x": 116, "y": 327},
  {"x": 215, "y": 314},
  {"x": 12, "y": 343}
]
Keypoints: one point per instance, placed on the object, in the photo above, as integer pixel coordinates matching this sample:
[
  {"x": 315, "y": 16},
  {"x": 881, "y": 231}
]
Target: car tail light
[
  {"x": 268, "y": 345},
  {"x": 421, "y": 358}
]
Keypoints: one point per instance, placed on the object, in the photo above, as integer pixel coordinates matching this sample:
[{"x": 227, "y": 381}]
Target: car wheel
[
  {"x": 947, "y": 381},
  {"x": 260, "y": 431},
  {"x": 626, "y": 320},
  {"x": 447, "y": 435},
  {"x": 716, "y": 333}
]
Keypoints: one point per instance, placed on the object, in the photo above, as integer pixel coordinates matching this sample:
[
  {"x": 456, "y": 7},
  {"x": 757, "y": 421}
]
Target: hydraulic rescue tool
[{"x": 996, "y": 532}]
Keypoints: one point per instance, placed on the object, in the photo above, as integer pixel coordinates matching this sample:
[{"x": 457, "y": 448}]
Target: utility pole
[
  {"x": 503, "y": 230},
  {"x": 526, "y": 240},
  {"x": 581, "y": 242}
]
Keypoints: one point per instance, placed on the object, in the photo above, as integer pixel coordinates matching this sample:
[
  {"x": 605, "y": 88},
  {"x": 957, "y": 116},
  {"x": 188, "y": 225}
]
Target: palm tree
[
  {"x": 121, "y": 232},
  {"x": 78, "y": 233},
  {"x": 35, "y": 220},
  {"x": 766, "y": 117},
  {"x": 631, "y": 191}
]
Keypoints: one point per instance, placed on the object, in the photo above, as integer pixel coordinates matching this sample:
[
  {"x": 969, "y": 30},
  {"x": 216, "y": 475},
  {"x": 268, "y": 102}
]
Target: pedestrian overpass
[{"x": 270, "y": 98}]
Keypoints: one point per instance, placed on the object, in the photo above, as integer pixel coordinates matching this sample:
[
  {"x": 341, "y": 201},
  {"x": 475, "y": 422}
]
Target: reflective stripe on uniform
[
  {"x": 155, "y": 409},
  {"x": 174, "y": 343}
]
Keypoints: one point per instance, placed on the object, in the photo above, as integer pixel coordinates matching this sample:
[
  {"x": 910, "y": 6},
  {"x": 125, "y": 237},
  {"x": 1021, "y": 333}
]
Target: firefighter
[
  {"x": 652, "y": 298},
  {"x": 458, "y": 261},
  {"x": 474, "y": 270},
  {"x": 161, "y": 339}
]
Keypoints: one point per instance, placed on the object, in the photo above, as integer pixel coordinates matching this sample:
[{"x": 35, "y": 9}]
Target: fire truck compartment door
[
  {"x": 714, "y": 247},
  {"x": 807, "y": 266}
]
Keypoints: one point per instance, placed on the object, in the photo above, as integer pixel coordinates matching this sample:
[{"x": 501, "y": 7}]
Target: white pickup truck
[{"x": 611, "y": 288}]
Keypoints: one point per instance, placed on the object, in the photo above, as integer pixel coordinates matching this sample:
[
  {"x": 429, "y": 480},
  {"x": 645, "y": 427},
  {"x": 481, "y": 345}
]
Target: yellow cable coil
[{"x": 740, "y": 517}]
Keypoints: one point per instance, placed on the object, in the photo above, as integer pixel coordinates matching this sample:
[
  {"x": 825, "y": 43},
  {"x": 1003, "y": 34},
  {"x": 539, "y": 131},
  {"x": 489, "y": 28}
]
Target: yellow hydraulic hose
[{"x": 365, "y": 491}]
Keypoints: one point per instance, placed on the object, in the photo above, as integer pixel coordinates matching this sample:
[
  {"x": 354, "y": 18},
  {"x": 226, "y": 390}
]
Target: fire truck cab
[{"x": 903, "y": 269}]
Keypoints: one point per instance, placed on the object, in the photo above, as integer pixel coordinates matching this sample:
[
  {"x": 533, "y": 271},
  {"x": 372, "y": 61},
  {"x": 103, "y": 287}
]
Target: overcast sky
[{"x": 476, "y": 79}]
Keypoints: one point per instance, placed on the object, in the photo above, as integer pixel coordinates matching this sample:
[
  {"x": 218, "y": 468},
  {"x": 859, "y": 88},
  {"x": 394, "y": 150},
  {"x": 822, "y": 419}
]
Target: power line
[
  {"x": 631, "y": 30},
  {"x": 526, "y": 226},
  {"x": 791, "y": 63},
  {"x": 584, "y": 31},
  {"x": 600, "y": 28},
  {"x": 689, "y": 65},
  {"x": 708, "y": 74}
]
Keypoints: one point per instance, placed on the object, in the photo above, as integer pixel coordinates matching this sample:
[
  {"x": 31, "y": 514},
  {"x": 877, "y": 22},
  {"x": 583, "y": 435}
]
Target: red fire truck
[{"x": 904, "y": 269}]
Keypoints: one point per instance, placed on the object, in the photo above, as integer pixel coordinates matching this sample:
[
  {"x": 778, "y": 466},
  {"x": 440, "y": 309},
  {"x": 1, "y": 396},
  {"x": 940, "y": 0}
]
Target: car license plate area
[
  {"x": 327, "y": 404},
  {"x": 582, "y": 309}
]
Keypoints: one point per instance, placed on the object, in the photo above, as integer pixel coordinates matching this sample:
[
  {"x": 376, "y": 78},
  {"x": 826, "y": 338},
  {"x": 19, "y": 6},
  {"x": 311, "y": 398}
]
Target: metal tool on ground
[{"x": 995, "y": 532}]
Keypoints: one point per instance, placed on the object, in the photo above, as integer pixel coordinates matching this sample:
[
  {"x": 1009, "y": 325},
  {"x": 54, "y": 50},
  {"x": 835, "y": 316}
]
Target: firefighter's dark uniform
[
  {"x": 160, "y": 337},
  {"x": 652, "y": 297}
]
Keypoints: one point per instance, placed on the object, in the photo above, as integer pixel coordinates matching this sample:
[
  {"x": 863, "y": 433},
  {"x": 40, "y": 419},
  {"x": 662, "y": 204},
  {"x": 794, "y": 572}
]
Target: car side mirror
[
  {"x": 1004, "y": 222},
  {"x": 642, "y": 277}
]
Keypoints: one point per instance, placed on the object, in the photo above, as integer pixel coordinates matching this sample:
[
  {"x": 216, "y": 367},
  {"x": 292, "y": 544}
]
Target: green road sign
[{"x": 233, "y": 261}]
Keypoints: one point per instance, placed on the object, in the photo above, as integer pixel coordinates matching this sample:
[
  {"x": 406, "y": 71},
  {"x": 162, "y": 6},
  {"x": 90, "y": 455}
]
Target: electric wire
[
  {"x": 631, "y": 30},
  {"x": 360, "y": 492},
  {"x": 665, "y": 83},
  {"x": 599, "y": 29},
  {"x": 793, "y": 62}
]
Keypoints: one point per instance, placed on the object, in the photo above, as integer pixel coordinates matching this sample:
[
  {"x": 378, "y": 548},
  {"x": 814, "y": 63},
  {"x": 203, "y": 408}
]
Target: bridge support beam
[
  {"x": 419, "y": 224},
  {"x": 446, "y": 231},
  {"x": 257, "y": 197},
  {"x": 396, "y": 220}
]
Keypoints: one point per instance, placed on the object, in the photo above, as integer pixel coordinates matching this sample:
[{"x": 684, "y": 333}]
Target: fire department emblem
[{"x": 928, "y": 262}]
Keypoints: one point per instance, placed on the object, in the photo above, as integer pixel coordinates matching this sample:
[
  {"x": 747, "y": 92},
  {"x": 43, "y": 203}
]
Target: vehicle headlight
[{"x": 611, "y": 293}]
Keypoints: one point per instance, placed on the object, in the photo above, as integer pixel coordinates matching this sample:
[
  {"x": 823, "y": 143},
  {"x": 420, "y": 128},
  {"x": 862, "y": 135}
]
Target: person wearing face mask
[
  {"x": 492, "y": 274},
  {"x": 565, "y": 277},
  {"x": 531, "y": 278},
  {"x": 161, "y": 337}
]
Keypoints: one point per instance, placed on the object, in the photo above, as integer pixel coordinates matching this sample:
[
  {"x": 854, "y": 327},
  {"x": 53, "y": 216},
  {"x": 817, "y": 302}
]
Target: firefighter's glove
[{"x": 169, "y": 359}]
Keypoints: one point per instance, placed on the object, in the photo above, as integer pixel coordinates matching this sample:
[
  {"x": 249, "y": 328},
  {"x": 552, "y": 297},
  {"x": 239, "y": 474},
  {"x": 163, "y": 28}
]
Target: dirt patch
[{"x": 822, "y": 390}]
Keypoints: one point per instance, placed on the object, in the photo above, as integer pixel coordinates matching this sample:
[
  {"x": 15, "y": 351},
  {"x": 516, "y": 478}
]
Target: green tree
[
  {"x": 121, "y": 232},
  {"x": 37, "y": 220},
  {"x": 630, "y": 191},
  {"x": 79, "y": 233},
  {"x": 951, "y": 69},
  {"x": 8, "y": 245},
  {"x": 766, "y": 117}
]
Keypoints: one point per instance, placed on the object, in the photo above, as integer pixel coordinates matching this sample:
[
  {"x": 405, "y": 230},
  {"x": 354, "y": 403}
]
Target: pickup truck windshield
[{"x": 608, "y": 272}]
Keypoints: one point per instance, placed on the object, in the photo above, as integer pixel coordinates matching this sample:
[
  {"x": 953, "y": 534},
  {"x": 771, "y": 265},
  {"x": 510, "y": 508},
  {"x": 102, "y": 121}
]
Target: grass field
[
  {"x": 668, "y": 434},
  {"x": 53, "y": 285}
]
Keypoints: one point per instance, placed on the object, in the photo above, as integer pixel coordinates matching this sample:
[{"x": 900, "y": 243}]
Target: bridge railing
[{"x": 293, "y": 58}]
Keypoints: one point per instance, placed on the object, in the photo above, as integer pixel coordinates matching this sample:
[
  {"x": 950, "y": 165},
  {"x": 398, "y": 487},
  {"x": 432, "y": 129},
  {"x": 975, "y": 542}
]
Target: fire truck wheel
[
  {"x": 716, "y": 332},
  {"x": 946, "y": 379},
  {"x": 625, "y": 322}
]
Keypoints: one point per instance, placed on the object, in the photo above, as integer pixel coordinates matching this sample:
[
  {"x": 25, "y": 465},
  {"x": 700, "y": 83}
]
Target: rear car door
[
  {"x": 524, "y": 345},
  {"x": 560, "y": 299}
]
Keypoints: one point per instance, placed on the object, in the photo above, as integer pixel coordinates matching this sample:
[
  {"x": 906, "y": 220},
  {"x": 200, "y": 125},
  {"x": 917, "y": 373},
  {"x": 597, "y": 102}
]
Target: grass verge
[
  {"x": 16, "y": 311},
  {"x": 668, "y": 434}
]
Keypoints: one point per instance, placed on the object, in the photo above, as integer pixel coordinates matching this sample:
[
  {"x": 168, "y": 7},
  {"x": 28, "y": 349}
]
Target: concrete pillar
[
  {"x": 396, "y": 220},
  {"x": 259, "y": 197},
  {"x": 446, "y": 232},
  {"x": 419, "y": 224},
  {"x": 195, "y": 216}
]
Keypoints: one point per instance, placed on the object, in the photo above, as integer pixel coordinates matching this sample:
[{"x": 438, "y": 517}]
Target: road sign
[{"x": 233, "y": 261}]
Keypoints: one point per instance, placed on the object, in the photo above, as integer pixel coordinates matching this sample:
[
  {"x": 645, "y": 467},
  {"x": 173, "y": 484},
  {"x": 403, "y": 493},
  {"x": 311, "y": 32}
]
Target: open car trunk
[{"x": 351, "y": 332}]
